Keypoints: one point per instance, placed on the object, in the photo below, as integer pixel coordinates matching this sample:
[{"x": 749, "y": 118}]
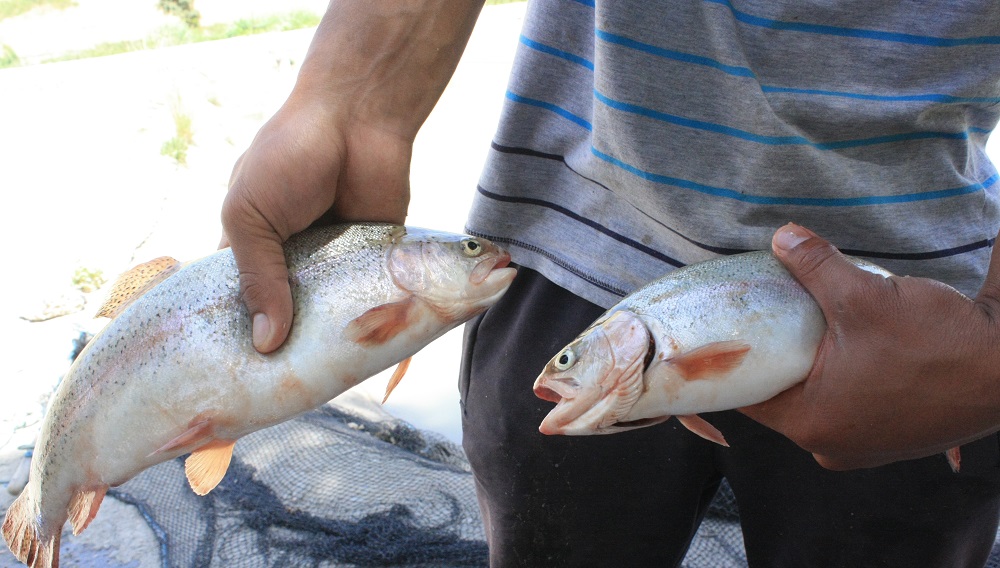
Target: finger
[
  {"x": 990, "y": 291},
  {"x": 815, "y": 263},
  {"x": 263, "y": 272}
]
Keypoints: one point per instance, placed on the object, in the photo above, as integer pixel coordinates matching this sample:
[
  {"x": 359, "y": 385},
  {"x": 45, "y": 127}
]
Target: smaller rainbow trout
[
  {"x": 175, "y": 371},
  {"x": 716, "y": 335}
]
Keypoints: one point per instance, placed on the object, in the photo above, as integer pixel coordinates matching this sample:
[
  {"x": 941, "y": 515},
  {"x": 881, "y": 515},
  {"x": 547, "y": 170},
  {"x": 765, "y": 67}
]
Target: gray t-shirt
[{"x": 640, "y": 136}]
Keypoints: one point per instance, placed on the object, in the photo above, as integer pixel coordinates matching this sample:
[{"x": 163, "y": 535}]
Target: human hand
[
  {"x": 906, "y": 368},
  {"x": 306, "y": 163}
]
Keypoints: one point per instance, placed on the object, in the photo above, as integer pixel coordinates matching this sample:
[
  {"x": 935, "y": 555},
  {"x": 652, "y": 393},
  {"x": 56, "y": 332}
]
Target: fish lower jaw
[{"x": 626, "y": 425}]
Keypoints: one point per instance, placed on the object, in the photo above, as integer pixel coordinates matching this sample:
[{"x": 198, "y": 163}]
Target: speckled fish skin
[
  {"x": 179, "y": 362},
  {"x": 716, "y": 335}
]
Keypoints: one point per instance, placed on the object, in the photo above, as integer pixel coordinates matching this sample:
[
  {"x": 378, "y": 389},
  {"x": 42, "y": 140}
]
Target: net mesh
[{"x": 347, "y": 485}]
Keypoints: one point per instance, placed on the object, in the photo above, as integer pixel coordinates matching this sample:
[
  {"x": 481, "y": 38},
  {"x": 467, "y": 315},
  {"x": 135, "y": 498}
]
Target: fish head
[
  {"x": 597, "y": 378},
  {"x": 459, "y": 276}
]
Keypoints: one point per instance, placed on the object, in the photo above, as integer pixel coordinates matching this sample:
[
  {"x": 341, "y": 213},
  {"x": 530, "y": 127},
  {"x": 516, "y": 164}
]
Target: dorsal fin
[
  {"x": 135, "y": 282},
  {"x": 207, "y": 465}
]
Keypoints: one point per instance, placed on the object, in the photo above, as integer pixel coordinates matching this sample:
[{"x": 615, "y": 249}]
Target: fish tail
[{"x": 24, "y": 536}]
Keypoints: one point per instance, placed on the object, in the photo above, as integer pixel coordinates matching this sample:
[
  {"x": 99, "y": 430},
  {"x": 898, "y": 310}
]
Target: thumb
[
  {"x": 264, "y": 286},
  {"x": 814, "y": 262}
]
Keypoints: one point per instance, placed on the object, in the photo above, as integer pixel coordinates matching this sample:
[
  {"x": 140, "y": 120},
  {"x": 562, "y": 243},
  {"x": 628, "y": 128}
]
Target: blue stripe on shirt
[
  {"x": 550, "y": 107},
  {"x": 771, "y": 140},
  {"x": 805, "y": 201},
  {"x": 931, "y": 41},
  {"x": 737, "y": 71}
]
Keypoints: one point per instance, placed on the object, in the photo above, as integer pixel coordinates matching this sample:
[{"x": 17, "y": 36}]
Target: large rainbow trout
[
  {"x": 716, "y": 335},
  {"x": 175, "y": 371}
]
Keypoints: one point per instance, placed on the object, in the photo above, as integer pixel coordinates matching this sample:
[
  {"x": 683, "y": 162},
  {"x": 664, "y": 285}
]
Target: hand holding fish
[
  {"x": 340, "y": 146},
  {"x": 302, "y": 165},
  {"x": 906, "y": 368}
]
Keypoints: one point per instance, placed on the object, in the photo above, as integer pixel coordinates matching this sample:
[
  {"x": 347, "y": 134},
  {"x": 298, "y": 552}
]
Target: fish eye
[
  {"x": 471, "y": 247},
  {"x": 565, "y": 360}
]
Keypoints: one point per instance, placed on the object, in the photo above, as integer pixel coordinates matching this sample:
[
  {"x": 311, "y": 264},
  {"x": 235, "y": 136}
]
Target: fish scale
[{"x": 175, "y": 371}]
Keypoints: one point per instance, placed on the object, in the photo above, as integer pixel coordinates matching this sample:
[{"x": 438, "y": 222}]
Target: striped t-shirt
[{"x": 640, "y": 136}]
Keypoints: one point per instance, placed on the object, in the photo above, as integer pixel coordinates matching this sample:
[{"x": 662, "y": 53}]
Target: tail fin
[{"x": 22, "y": 534}]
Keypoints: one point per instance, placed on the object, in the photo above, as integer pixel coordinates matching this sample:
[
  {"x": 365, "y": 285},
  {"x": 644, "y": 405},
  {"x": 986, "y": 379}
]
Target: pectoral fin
[
  {"x": 397, "y": 376},
  {"x": 135, "y": 282},
  {"x": 381, "y": 323},
  {"x": 197, "y": 432},
  {"x": 701, "y": 427},
  {"x": 207, "y": 465},
  {"x": 710, "y": 360}
]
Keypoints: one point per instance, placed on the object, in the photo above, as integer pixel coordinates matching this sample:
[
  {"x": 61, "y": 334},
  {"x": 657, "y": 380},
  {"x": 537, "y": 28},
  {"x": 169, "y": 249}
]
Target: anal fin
[
  {"x": 699, "y": 426},
  {"x": 83, "y": 508},
  {"x": 397, "y": 376},
  {"x": 207, "y": 465}
]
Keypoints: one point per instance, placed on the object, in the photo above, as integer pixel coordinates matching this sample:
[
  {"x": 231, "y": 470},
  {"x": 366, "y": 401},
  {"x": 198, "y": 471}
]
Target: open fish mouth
[{"x": 491, "y": 265}]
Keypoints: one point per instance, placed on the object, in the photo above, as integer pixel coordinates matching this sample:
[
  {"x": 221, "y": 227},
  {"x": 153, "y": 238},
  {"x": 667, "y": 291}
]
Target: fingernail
[
  {"x": 261, "y": 330},
  {"x": 790, "y": 236}
]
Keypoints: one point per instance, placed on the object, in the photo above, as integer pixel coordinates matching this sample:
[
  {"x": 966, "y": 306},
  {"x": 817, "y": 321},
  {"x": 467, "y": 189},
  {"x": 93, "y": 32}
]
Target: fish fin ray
[
  {"x": 397, "y": 376},
  {"x": 83, "y": 508},
  {"x": 21, "y": 532},
  {"x": 381, "y": 323},
  {"x": 699, "y": 426},
  {"x": 954, "y": 456},
  {"x": 135, "y": 282},
  {"x": 711, "y": 359},
  {"x": 196, "y": 434},
  {"x": 207, "y": 465}
]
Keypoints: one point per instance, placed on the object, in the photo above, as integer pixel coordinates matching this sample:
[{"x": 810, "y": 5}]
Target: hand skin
[
  {"x": 908, "y": 366},
  {"x": 340, "y": 146}
]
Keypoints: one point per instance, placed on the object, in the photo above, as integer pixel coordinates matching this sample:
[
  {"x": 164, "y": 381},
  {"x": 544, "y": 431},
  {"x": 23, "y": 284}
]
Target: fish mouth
[{"x": 491, "y": 266}]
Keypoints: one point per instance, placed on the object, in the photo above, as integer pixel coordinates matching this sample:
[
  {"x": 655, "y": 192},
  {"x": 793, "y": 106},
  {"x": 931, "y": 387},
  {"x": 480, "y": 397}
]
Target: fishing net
[{"x": 346, "y": 485}]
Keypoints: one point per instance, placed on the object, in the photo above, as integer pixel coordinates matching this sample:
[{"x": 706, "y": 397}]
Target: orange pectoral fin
[
  {"x": 711, "y": 359},
  {"x": 397, "y": 376},
  {"x": 207, "y": 465},
  {"x": 135, "y": 282},
  {"x": 381, "y": 323},
  {"x": 701, "y": 427}
]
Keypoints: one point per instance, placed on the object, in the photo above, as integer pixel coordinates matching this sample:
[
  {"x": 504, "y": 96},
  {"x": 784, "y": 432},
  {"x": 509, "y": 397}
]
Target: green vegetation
[
  {"x": 7, "y": 57},
  {"x": 177, "y": 147},
  {"x": 183, "y": 9},
  {"x": 177, "y": 35},
  {"x": 88, "y": 280},
  {"x": 11, "y": 8}
]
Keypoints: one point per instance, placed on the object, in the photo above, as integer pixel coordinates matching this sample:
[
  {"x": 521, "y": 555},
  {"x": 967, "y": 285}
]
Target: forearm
[{"x": 384, "y": 63}]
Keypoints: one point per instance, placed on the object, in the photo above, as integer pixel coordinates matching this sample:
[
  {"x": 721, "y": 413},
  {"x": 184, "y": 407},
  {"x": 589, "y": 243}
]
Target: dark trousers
[{"x": 636, "y": 498}]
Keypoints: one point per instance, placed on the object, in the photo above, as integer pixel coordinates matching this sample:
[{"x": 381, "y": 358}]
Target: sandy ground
[{"x": 86, "y": 186}]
